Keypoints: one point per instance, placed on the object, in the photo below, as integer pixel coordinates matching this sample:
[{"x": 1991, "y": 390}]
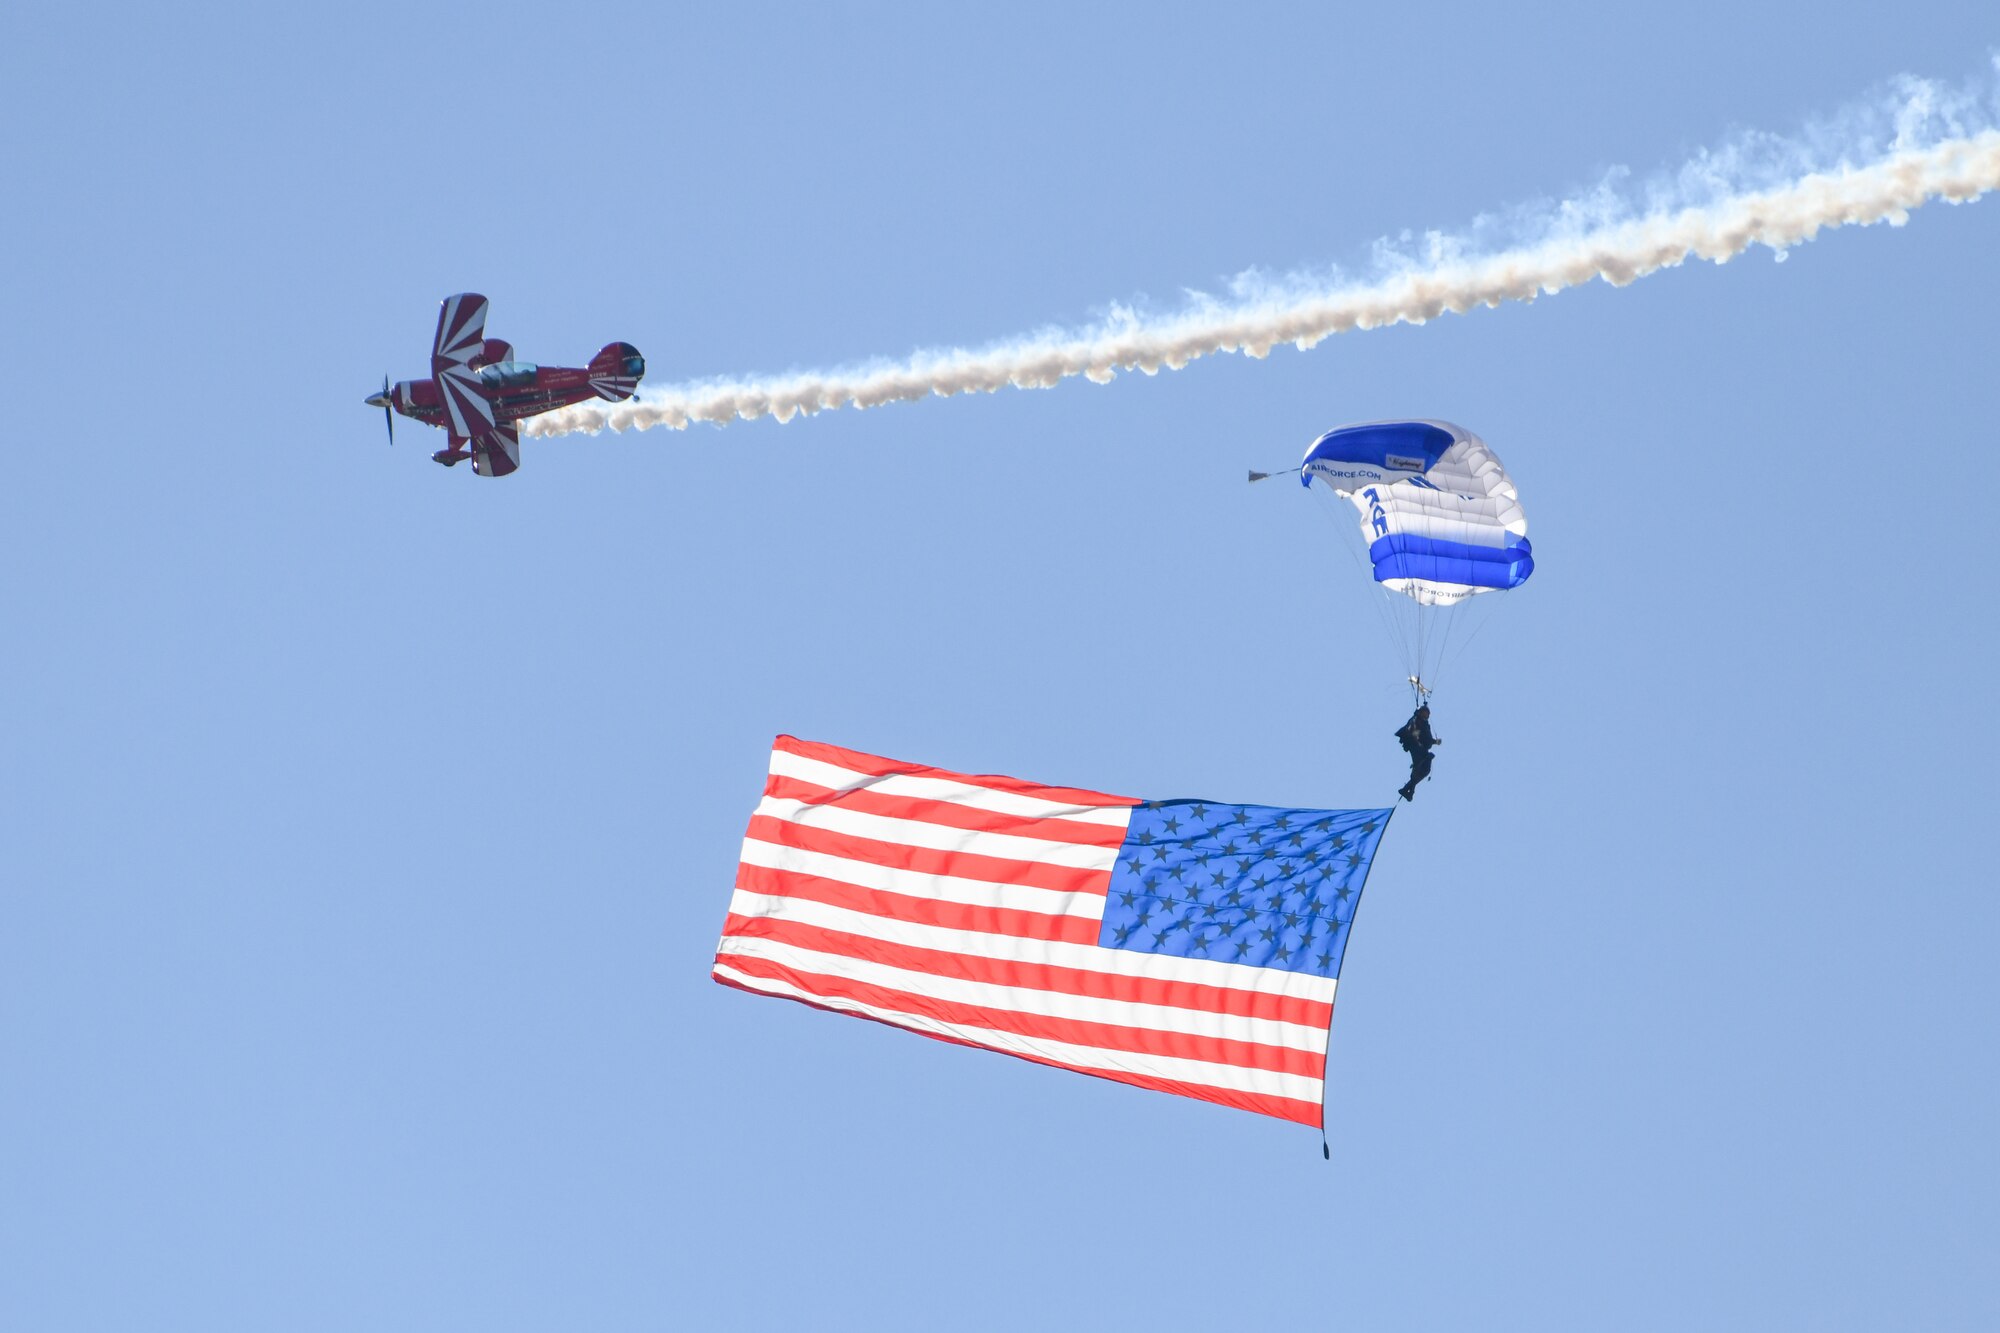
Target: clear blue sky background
[{"x": 366, "y": 828}]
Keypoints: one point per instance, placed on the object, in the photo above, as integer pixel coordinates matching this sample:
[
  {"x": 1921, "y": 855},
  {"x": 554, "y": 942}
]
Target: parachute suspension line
[
  {"x": 1420, "y": 617},
  {"x": 1402, "y": 628},
  {"x": 1427, "y": 615},
  {"x": 1402, "y": 632},
  {"x": 1398, "y": 611},
  {"x": 1392, "y": 626},
  {"x": 1478, "y": 629},
  {"x": 1409, "y": 624},
  {"x": 1413, "y": 615},
  {"x": 1451, "y": 615},
  {"x": 1417, "y": 616},
  {"x": 1450, "y": 653},
  {"x": 1479, "y": 623}
]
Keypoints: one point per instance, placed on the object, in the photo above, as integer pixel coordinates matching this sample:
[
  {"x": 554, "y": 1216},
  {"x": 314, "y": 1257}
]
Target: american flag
[{"x": 1186, "y": 946}]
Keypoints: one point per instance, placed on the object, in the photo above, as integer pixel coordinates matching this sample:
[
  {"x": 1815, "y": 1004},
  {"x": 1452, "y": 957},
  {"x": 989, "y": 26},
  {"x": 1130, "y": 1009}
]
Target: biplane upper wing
[
  {"x": 461, "y": 331},
  {"x": 461, "y": 334}
]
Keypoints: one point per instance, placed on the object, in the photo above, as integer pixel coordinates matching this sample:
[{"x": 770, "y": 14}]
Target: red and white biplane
[{"x": 478, "y": 391}]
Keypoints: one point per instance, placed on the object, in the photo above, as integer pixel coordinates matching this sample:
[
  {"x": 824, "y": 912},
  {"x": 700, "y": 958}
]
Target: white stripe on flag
[
  {"x": 1056, "y": 953},
  {"x": 918, "y": 884},
  {"x": 936, "y": 837},
  {"x": 1030, "y": 1000},
  {"x": 785, "y": 764},
  {"x": 1262, "y": 1082}
]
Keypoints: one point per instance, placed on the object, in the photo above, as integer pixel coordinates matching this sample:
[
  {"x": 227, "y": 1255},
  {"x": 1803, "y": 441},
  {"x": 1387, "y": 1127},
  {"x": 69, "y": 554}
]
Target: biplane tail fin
[{"x": 616, "y": 371}]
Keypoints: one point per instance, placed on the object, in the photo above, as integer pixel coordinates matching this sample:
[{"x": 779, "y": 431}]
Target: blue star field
[{"x": 1254, "y": 884}]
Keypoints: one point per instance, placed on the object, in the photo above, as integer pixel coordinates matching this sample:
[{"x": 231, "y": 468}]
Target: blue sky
[{"x": 366, "y": 828}]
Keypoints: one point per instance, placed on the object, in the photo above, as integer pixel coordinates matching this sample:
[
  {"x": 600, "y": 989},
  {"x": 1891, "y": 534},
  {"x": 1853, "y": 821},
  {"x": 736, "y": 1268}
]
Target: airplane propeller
[{"x": 381, "y": 400}]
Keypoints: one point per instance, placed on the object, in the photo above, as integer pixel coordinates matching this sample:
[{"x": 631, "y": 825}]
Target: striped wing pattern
[
  {"x": 497, "y": 452},
  {"x": 973, "y": 909},
  {"x": 461, "y": 333}
]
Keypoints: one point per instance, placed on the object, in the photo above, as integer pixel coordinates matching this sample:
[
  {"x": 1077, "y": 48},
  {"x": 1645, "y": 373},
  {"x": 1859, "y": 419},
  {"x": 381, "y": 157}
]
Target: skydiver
[{"x": 1415, "y": 737}]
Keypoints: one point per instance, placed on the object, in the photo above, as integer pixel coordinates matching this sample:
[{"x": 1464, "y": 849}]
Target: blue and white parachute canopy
[{"x": 1438, "y": 512}]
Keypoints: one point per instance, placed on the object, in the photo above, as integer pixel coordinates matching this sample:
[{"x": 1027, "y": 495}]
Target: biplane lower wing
[{"x": 497, "y": 452}]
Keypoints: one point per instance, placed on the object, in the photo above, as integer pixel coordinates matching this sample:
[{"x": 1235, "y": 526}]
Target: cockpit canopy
[{"x": 508, "y": 375}]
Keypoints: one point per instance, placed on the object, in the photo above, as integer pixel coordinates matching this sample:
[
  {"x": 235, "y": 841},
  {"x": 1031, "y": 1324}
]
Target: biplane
[{"x": 479, "y": 393}]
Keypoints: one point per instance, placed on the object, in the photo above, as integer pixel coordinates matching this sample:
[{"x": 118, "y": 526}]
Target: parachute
[{"x": 1440, "y": 522}]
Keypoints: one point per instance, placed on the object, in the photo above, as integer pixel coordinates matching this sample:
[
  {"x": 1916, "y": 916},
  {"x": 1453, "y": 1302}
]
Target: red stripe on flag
[
  {"x": 877, "y": 766},
  {"x": 921, "y": 911},
  {"x": 947, "y": 813},
  {"x": 1071, "y": 1031},
  {"x": 928, "y": 860},
  {"x": 1192, "y": 995},
  {"x": 1284, "y": 1108}
]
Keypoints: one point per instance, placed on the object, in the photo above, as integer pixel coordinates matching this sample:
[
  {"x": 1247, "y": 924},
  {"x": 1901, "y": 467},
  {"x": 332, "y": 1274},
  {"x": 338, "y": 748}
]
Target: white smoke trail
[{"x": 1871, "y": 164}]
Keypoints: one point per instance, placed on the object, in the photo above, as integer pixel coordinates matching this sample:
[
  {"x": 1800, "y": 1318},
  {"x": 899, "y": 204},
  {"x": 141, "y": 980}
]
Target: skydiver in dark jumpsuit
[{"x": 1415, "y": 737}]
